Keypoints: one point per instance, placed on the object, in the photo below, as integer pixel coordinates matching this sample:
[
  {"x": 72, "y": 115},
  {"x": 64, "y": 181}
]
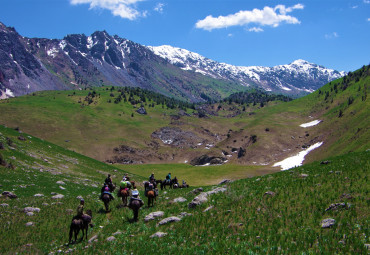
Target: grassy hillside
[
  {"x": 268, "y": 133},
  {"x": 244, "y": 219}
]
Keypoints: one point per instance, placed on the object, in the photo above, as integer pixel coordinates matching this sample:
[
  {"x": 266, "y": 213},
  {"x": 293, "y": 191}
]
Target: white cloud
[
  {"x": 331, "y": 35},
  {"x": 255, "y": 29},
  {"x": 268, "y": 16},
  {"x": 159, "y": 7},
  {"x": 368, "y": 19},
  {"x": 367, "y": 1},
  {"x": 230, "y": 35},
  {"x": 125, "y": 9},
  {"x": 355, "y": 7}
]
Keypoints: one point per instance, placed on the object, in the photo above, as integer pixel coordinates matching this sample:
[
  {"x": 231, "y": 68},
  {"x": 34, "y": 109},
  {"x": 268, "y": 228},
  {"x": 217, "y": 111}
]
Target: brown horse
[
  {"x": 151, "y": 197},
  {"x": 106, "y": 199},
  {"x": 80, "y": 224},
  {"x": 135, "y": 206},
  {"x": 124, "y": 195}
]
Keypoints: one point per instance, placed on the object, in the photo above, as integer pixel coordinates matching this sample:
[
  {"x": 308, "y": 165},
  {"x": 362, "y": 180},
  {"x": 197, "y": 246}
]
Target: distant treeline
[
  {"x": 254, "y": 97},
  {"x": 143, "y": 96}
]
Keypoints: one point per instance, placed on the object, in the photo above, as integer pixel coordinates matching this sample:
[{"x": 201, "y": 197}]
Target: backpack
[{"x": 123, "y": 184}]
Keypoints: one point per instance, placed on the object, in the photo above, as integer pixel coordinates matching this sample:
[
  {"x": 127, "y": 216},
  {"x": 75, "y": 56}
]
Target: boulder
[
  {"x": 216, "y": 190},
  {"x": 30, "y": 214},
  {"x": 224, "y": 181},
  {"x": 31, "y": 209},
  {"x": 179, "y": 200},
  {"x": 169, "y": 220},
  {"x": 158, "y": 234},
  {"x": 337, "y": 206},
  {"x": 208, "y": 208},
  {"x": 141, "y": 110},
  {"x": 92, "y": 239},
  {"x": 198, "y": 200},
  {"x": 38, "y": 195},
  {"x": 61, "y": 182},
  {"x": 29, "y": 224},
  {"x": 153, "y": 215},
  {"x": 110, "y": 239},
  {"x": 59, "y": 196},
  {"x": 9, "y": 194},
  {"x": 269, "y": 193},
  {"x": 327, "y": 223},
  {"x": 184, "y": 214},
  {"x": 197, "y": 190},
  {"x": 117, "y": 233}
]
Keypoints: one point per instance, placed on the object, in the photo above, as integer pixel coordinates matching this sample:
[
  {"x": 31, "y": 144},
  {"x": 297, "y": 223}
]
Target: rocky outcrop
[{"x": 205, "y": 160}]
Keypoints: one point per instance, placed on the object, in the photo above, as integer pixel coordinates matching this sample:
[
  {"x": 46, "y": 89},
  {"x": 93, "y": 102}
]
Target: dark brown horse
[
  {"x": 80, "y": 224},
  {"x": 135, "y": 206},
  {"x": 106, "y": 199}
]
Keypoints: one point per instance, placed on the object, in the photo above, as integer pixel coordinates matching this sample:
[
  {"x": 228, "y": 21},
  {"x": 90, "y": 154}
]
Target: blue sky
[{"x": 332, "y": 33}]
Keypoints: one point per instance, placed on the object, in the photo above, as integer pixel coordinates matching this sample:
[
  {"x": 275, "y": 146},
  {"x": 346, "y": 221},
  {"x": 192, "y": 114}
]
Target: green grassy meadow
[{"x": 242, "y": 220}]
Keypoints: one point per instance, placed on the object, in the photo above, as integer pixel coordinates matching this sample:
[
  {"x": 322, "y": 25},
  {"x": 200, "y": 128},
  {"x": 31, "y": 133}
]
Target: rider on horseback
[
  {"x": 168, "y": 178},
  {"x": 109, "y": 182},
  {"x": 81, "y": 214},
  {"x": 135, "y": 196},
  {"x": 151, "y": 178},
  {"x": 106, "y": 190}
]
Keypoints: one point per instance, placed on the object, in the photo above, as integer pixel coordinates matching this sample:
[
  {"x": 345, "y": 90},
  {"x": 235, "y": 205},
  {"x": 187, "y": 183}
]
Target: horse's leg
[{"x": 70, "y": 233}]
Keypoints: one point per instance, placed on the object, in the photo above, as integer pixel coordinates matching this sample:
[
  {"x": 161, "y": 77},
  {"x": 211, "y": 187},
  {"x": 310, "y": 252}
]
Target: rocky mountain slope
[
  {"x": 297, "y": 77},
  {"x": 79, "y": 61}
]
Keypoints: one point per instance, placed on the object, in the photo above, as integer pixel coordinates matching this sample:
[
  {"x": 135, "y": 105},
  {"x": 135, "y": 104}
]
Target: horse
[
  {"x": 175, "y": 183},
  {"x": 135, "y": 206},
  {"x": 106, "y": 200},
  {"x": 124, "y": 194},
  {"x": 165, "y": 183},
  {"x": 78, "y": 224},
  {"x": 151, "y": 197}
]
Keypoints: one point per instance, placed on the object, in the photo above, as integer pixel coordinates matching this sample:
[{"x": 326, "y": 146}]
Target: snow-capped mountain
[
  {"x": 79, "y": 61},
  {"x": 299, "y": 76}
]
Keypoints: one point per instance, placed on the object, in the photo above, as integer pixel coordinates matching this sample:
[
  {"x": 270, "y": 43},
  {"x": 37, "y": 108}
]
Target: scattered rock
[
  {"x": 9, "y": 194},
  {"x": 346, "y": 196},
  {"x": 208, "y": 208},
  {"x": 110, "y": 239},
  {"x": 117, "y": 233},
  {"x": 4, "y": 205},
  {"x": 225, "y": 181},
  {"x": 198, "y": 200},
  {"x": 197, "y": 190},
  {"x": 270, "y": 193},
  {"x": 216, "y": 190},
  {"x": 38, "y": 195},
  {"x": 79, "y": 197},
  {"x": 31, "y": 209},
  {"x": 303, "y": 175},
  {"x": 59, "y": 196},
  {"x": 29, "y": 224},
  {"x": 62, "y": 188},
  {"x": 325, "y": 162},
  {"x": 169, "y": 219},
  {"x": 337, "y": 206},
  {"x": 45, "y": 204},
  {"x": 30, "y": 214},
  {"x": 179, "y": 200},
  {"x": 158, "y": 234},
  {"x": 327, "y": 223},
  {"x": 153, "y": 215},
  {"x": 92, "y": 239},
  {"x": 184, "y": 214},
  {"x": 61, "y": 182}
]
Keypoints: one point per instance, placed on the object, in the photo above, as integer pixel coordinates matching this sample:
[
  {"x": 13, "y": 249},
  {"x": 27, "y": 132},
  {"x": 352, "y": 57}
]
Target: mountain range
[{"x": 79, "y": 61}]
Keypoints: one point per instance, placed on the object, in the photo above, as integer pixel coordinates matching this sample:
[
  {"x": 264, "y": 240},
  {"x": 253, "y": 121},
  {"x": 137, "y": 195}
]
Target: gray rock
[
  {"x": 198, "y": 200},
  {"x": 31, "y": 209},
  {"x": 29, "y": 224},
  {"x": 4, "y": 205},
  {"x": 62, "y": 188},
  {"x": 110, "y": 239},
  {"x": 197, "y": 190},
  {"x": 158, "y": 234},
  {"x": 208, "y": 208},
  {"x": 79, "y": 197},
  {"x": 337, "y": 206},
  {"x": 92, "y": 239},
  {"x": 327, "y": 223},
  {"x": 225, "y": 181},
  {"x": 179, "y": 200},
  {"x": 153, "y": 215},
  {"x": 9, "y": 194},
  {"x": 216, "y": 190},
  {"x": 141, "y": 110},
  {"x": 45, "y": 204},
  {"x": 30, "y": 214},
  {"x": 60, "y": 182},
  {"x": 59, "y": 196},
  {"x": 169, "y": 219},
  {"x": 303, "y": 175},
  {"x": 269, "y": 193},
  {"x": 184, "y": 214},
  {"x": 38, "y": 195},
  {"x": 117, "y": 233}
]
